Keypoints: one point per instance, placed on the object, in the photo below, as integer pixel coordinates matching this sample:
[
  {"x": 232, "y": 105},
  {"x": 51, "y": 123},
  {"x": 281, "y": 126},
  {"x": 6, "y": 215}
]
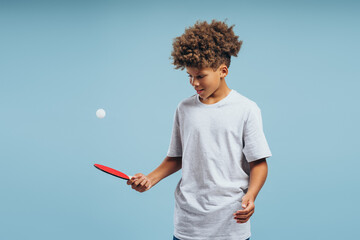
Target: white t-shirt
[{"x": 217, "y": 142}]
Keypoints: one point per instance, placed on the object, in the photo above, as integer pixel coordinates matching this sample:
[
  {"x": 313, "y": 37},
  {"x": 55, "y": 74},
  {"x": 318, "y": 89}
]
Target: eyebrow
[{"x": 198, "y": 74}]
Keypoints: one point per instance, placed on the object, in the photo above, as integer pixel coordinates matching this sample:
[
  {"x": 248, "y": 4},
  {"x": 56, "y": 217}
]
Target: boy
[{"x": 217, "y": 140}]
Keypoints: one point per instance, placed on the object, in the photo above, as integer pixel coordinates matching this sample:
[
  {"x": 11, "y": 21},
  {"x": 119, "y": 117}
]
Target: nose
[{"x": 193, "y": 82}]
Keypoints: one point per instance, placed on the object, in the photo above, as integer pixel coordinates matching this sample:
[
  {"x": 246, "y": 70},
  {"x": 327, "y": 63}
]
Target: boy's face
[{"x": 212, "y": 82}]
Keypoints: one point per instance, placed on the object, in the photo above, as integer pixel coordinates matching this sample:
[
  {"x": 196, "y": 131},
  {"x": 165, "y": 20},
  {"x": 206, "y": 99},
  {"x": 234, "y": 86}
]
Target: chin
[{"x": 203, "y": 96}]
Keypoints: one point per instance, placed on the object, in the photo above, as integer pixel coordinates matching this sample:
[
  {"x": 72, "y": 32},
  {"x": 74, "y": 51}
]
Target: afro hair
[{"x": 205, "y": 45}]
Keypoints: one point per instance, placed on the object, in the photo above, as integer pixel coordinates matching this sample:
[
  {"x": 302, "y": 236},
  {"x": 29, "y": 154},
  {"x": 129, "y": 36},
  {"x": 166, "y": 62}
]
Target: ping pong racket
[{"x": 112, "y": 171}]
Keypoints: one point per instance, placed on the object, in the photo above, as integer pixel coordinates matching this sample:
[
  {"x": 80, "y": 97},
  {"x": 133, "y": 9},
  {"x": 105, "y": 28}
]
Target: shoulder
[{"x": 245, "y": 102}]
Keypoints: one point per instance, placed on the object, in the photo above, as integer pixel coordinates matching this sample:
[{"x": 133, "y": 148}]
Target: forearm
[
  {"x": 258, "y": 174},
  {"x": 169, "y": 166}
]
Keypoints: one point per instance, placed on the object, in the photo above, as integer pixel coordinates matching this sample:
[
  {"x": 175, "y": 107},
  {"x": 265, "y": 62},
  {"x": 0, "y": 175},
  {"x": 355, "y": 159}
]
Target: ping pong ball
[{"x": 100, "y": 113}]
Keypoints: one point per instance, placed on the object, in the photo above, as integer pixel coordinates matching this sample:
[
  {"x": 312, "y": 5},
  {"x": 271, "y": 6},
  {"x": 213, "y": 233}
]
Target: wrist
[
  {"x": 251, "y": 195},
  {"x": 153, "y": 179}
]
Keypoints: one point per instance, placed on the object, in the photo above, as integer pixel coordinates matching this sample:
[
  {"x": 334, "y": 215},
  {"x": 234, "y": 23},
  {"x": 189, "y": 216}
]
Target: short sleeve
[
  {"x": 175, "y": 146},
  {"x": 254, "y": 141}
]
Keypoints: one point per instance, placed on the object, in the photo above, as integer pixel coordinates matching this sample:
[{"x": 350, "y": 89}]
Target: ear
[{"x": 223, "y": 70}]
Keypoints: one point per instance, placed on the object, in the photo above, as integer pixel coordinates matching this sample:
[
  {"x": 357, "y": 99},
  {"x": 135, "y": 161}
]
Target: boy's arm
[
  {"x": 258, "y": 174},
  {"x": 169, "y": 166},
  {"x": 142, "y": 183}
]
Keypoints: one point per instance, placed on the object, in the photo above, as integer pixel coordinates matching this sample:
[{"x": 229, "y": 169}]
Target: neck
[{"x": 219, "y": 94}]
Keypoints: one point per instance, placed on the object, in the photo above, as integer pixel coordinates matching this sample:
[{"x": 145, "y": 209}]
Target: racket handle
[{"x": 130, "y": 177}]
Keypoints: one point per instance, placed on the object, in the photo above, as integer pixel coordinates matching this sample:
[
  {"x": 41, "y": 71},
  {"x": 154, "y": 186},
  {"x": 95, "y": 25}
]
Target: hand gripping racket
[{"x": 112, "y": 171}]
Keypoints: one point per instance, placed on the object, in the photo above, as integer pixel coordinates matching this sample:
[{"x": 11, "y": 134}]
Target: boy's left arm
[{"x": 258, "y": 174}]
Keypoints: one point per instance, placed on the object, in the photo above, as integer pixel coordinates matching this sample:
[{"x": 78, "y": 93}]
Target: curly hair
[{"x": 205, "y": 45}]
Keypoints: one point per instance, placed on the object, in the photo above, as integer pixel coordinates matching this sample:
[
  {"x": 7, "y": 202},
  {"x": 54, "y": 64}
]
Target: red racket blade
[{"x": 112, "y": 171}]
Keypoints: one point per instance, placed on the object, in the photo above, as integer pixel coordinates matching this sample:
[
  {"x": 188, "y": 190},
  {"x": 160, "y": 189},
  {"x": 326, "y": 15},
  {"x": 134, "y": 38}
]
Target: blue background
[{"x": 62, "y": 60}]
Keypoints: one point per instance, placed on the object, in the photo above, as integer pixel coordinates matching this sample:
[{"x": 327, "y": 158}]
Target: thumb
[
  {"x": 131, "y": 179},
  {"x": 244, "y": 202}
]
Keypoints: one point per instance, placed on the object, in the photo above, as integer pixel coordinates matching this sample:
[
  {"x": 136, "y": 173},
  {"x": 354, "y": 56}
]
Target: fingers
[
  {"x": 134, "y": 178},
  {"x": 243, "y": 215},
  {"x": 243, "y": 218},
  {"x": 139, "y": 182}
]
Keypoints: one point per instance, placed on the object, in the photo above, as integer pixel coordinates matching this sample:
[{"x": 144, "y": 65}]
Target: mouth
[{"x": 200, "y": 91}]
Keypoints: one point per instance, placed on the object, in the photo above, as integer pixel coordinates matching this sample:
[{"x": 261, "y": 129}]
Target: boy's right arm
[{"x": 141, "y": 182}]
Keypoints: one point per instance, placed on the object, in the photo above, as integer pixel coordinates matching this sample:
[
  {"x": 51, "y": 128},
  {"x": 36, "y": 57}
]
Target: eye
[{"x": 197, "y": 77}]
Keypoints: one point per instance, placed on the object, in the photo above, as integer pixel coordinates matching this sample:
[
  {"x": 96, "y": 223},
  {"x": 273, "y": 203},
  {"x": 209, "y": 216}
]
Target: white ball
[{"x": 100, "y": 113}]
